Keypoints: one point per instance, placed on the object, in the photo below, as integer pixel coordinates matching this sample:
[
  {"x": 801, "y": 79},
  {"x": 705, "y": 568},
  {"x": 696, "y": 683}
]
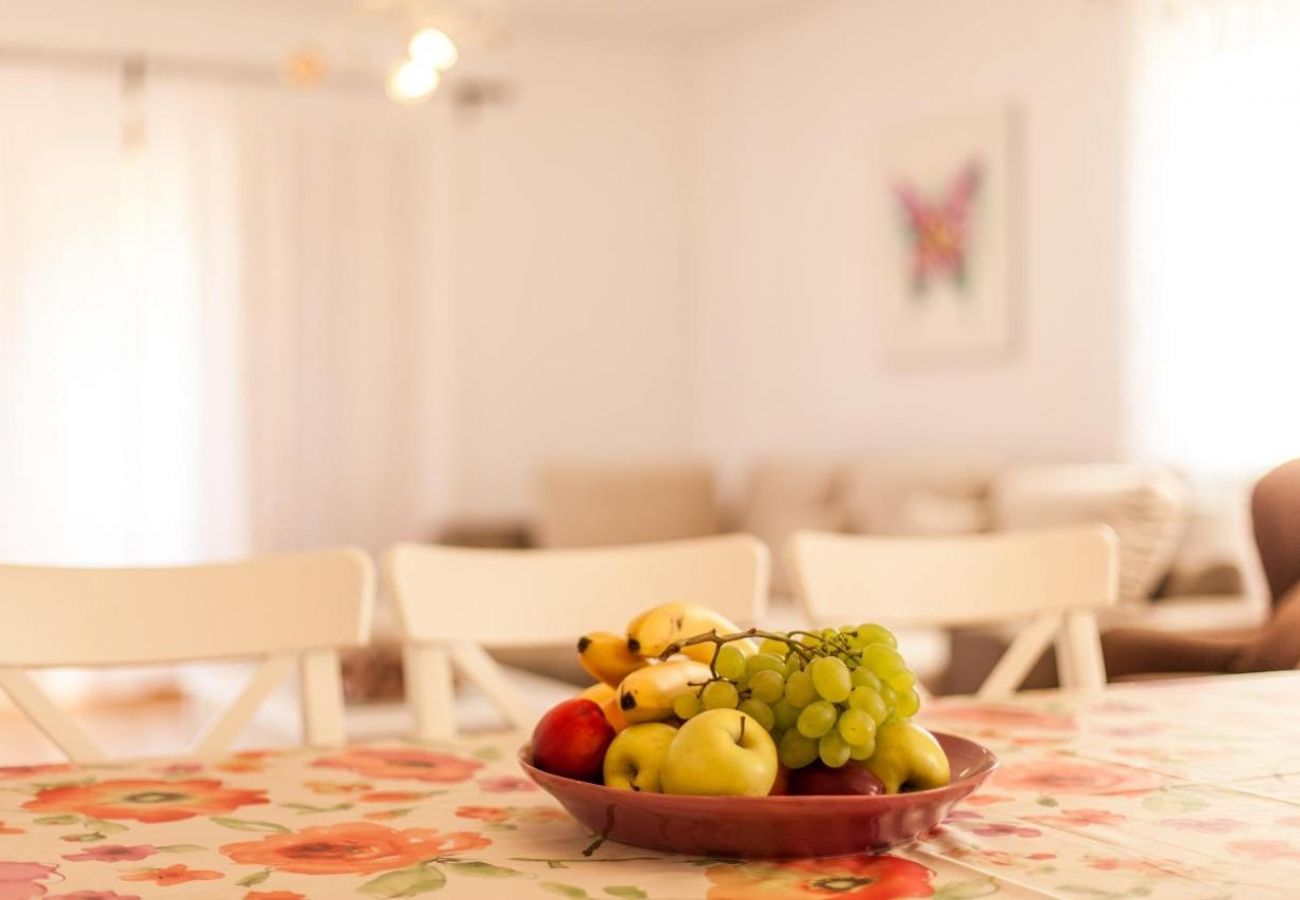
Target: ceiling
[
  {"x": 262, "y": 29},
  {"x": 672, "y": 18}
]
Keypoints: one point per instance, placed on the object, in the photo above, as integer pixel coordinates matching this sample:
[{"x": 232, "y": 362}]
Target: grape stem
[{"x": 719, "y": 639}]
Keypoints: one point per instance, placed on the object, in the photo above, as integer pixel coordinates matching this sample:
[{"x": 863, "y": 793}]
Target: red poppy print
[
  {"x": 998, "y": 715},
  {"x": 1066, "y": 775},
  {"x": 113, "y": 853},
  {"x": 351, "y": 848},
  {"x": 20, "y": 880},
  {"x": 404, "y": 762},
  {"x": 859, "y": 877},
  {"x": 170, "y": 875},
  {"x": 145, "y": 800}
]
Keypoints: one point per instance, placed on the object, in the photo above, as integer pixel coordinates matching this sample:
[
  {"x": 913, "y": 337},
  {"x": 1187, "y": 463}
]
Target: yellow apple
[
  {"x": 633, "y": 760},
  {"x": 908, "y": 756},
  {"x": 720, "y": 752}
]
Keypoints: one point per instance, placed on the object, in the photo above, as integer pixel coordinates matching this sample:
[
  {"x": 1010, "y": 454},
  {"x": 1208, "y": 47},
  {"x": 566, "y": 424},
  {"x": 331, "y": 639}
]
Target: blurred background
[{"x": 283, "y": 273}]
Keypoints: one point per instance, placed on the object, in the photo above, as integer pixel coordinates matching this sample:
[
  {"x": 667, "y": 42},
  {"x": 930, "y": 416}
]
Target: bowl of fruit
[{"x": 705, "y": 739}]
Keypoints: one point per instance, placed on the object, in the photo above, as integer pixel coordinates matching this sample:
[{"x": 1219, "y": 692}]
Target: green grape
[
  {"x": 862, "y": 751},
  {"x": 847, "y": 629},
  {"x": 767, "y": 686},
  {"x": 831, "y": 679},
  {"x": 889, "y": 695},
  {"x": 799, "y": 689},
  {"x": 833, "y": 750},
  {"x": 828, "y": 634},
  {"x": 720, "y": 695},
  {"x": 816, "y": 719},
  {"x": 870, "y": 702},
  {"x": 882, "y": 659},
  {"x": 901, "y": 681},
  {"x": 760, "y": 711},
  {"x": 729, "y": 662},
  {"x": 774, "y": 647},
  {"x": 760, "y": 662},
  {"x": 864, "y": 677},
  {"x": 793, "y": 663},
  {"x": 856, "y": 727},
  {"x": 909, "y": 703},
  {"x": 786, "y": 715},
  {"x": 796, "y": 751},
  {"x": 876, "y": 634},
  {"x": 686, "y": 705}
]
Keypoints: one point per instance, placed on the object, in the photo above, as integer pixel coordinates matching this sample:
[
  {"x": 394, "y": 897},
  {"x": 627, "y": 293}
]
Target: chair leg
[
  {"x": 429, "y": 691},
  {"x": 1019, "y": 658},
  {"x": 52, "y": 721},
  {"x": 1085, "y": 650},
  {"x": 1067, "y": 661},
  {"x": 484, "y": 671},
  {"x": 322, "y": 699}
]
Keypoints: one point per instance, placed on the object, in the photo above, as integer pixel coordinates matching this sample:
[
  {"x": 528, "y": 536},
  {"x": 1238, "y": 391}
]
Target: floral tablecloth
[{"x": 1187, "y": 790}]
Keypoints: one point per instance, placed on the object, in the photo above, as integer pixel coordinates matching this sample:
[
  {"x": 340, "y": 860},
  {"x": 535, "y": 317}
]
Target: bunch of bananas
[{"x": 634, "y": 685}]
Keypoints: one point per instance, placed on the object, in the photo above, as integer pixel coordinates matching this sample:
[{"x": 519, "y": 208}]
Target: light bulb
[
  {"x": 411, "y": 80},
  {"x": 432, "y": 47}
]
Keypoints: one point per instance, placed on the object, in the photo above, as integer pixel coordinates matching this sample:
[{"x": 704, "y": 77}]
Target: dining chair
[
  {"x": 290, "y": 610},
  {"x": 1055, "y": 580},
  {"x": 453, "y": 602}
]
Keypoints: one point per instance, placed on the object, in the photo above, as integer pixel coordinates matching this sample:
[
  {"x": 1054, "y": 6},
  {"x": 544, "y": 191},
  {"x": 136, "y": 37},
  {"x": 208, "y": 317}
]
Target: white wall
[
  {"x": 785, "y": 121},
  {"x": 570, "y": 332},
  {"x": 660, "y": 249}
]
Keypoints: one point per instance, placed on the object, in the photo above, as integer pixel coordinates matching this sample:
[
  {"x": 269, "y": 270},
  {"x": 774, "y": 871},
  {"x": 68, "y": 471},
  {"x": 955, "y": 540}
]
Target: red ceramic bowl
[{"x": 758, "y": 827}]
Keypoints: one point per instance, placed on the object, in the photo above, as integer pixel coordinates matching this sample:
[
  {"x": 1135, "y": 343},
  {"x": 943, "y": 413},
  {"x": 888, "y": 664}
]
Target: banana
[
  {"x": 598, "y": 693},
  {"x": 647, "y": 694},
  {"x": 650, "y": 633},
  {"x": 614, "y": 713},
  {"x": 606, "y": 697},
  {"x": 607, "y": 658}
]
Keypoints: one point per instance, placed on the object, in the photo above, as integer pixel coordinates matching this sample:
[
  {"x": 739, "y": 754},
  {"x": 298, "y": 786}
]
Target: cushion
[
  {"x": 926, "y": 512},
  {"x": 785, "y": 496},
  {"x": 904, "y": 495},
  {"x": 1147, "y": 506},
  {"x": 601, "y": 505}
]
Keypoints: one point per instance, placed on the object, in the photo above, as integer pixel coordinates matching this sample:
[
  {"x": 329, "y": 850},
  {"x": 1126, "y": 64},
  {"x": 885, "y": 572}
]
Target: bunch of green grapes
[{"x": 820, "y": 694}]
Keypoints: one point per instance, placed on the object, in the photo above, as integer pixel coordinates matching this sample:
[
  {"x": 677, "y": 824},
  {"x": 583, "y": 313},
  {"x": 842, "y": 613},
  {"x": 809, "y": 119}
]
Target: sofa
[{"x": 1183, "y": 562}]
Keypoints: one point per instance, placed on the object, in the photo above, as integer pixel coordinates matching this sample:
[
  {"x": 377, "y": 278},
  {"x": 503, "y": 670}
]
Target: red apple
[
  {"x": 571, "y": 740},
  {"x": 850, "y": 778}
]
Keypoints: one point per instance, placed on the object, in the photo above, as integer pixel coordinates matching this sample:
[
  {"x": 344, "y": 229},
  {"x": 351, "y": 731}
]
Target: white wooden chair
[
  {"x": 453, "y": 601},
  {"x": 1056, "y": 579},
  {"x": 292, "y": 609}
]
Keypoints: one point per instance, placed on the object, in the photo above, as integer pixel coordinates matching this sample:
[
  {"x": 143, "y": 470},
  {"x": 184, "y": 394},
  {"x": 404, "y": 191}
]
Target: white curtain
[
  {"x": 1215, "y": 187},
  {"x": 65, "y": 464},
  {"x": 215, "y": 341}
]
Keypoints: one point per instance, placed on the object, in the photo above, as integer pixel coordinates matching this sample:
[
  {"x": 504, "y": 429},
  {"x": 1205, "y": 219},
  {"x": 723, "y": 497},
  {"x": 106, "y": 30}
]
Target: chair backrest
[
  {"x": 452, "y": 601},
  {"x": 1057, "y": 579},
  {"x": 291, "y": 608}
]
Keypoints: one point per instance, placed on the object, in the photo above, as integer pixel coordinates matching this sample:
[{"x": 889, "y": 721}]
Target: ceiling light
[
  {"x": 431, "y": 46},
  {"x": 411, "y": 81}
]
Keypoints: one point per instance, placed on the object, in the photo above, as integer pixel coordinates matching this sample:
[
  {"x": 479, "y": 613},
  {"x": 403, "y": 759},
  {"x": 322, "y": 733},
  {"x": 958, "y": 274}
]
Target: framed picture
[{"x": 949, "y": 235}]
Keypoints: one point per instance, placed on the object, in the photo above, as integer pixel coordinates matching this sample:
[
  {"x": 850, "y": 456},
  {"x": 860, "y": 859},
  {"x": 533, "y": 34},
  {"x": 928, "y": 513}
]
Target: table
[{"x": 1187, "y": 790}]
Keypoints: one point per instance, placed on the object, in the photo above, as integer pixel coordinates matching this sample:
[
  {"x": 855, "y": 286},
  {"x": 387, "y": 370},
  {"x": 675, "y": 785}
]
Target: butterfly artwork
[
  {"x": 939, "y": 228},
  {"x": 945, "y": 231}
]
